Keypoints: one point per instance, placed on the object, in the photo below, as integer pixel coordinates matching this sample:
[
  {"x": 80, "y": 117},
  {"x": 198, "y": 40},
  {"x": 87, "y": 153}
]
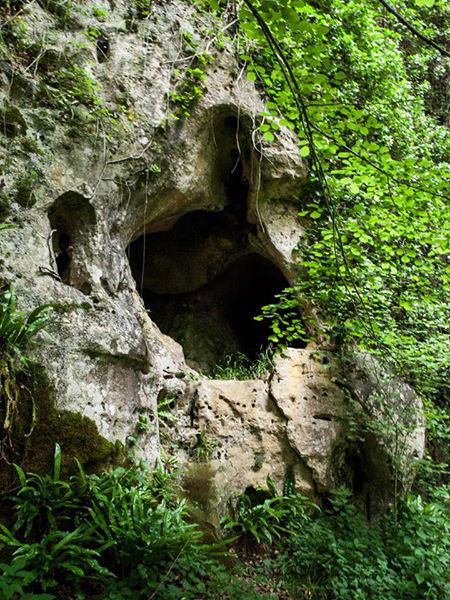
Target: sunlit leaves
[{"x": 380, "y": 246}]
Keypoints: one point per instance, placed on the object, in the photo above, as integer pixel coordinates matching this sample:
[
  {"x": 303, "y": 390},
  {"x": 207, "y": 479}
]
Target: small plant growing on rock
[
  {"x": 17, "y": 330},
  {"x": 165, "y": 404},
  {"x": 204, "y": 448}
]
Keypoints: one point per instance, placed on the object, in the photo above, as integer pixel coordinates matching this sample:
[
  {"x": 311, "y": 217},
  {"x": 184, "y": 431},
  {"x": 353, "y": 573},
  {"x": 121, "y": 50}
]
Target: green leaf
[{"x": 304, "y": 151}]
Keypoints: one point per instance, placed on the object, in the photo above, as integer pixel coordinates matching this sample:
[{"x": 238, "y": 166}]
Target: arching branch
[{"x": 413, "y": 30}]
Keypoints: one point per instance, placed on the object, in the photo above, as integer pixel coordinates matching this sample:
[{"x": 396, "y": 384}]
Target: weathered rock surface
[
  {"x": 222, "y": 207},
  {"x": 103, "y": 355},
  {"x": 298, "y": 426},
  {"x": 235, "y": 427},
  {"x": 395, "y": 437},
  {"x": 303, "y": 389}
]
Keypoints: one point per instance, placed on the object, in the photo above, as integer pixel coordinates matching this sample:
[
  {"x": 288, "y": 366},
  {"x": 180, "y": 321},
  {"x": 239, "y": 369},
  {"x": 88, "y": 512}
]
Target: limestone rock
[
  {"x": 159, "y": 227},
  {"x": 396, "y": 434},
  {"x": 103, "y": 355},
  {"x": 313, "y": 405},
  {"x": 235, "y": 428}
]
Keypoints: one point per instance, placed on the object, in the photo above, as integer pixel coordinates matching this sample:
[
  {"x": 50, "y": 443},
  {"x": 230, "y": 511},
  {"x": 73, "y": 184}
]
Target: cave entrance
[
  {"x": 72, "y": 221},
  {"x": 203, "y": 285},
  {"x": 202, "y": 281}
]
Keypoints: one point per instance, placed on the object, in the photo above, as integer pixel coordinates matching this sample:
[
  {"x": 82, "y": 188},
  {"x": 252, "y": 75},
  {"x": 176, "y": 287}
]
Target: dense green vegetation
[
  {"x": 125, "y": 534},
  {"x": 377, "y": 141},
  {"x": 122, "y": 534},
  {"x": 369, "y": 101}
]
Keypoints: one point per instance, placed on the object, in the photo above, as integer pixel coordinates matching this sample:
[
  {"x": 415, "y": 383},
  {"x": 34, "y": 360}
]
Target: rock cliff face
[{"x": 159, "y": 240}]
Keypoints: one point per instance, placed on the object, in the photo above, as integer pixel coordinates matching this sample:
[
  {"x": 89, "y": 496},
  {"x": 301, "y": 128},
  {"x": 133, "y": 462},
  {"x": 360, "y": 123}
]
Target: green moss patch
[{"x": 77, "y": 435}]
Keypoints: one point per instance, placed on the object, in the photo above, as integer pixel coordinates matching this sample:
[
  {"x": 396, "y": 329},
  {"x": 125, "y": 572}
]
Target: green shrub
[
  {"x": 204, "y": 448},
  {"x": 14, "y": 579},
  {"x": 338, "y": 554},
  {"x": 49, "y": 537},
  {"x": 263, "y": 515},
  {"x": 95, "y": 530}
]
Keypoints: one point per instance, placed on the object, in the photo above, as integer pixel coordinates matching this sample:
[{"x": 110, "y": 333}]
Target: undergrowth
[
  {"x": 335, "y": 553},
  {"x": 126, "y": 534},
  {"x": 121, "y": 534},
  {"x": 241, "y": 367}
]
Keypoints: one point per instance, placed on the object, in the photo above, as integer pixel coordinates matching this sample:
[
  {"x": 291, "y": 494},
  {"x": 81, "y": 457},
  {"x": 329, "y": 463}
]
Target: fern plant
[
  {"x": 50, "y": 539},
  {"x": 17, "y": 330},
  {"x": 58, "y": 555},
  {"x": 120, "y": 525},
  {"x": 264, "y": 515},
  {"x": 44, "y": 499}
]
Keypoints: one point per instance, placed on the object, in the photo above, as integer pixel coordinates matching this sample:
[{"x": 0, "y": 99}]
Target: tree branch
[{"x": 413, "y": 30}]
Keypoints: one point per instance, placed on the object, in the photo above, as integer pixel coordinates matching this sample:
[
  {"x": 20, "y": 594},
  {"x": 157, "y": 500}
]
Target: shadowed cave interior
[
  {"x": 202, "y": 281},
  {"x": 72, "y": 220},
  {"x": 203, "y": 285}
]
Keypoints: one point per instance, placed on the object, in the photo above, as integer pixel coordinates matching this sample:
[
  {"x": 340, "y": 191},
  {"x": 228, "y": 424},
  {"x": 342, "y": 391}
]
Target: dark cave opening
[
  {"x": 62, "y": 245},
  {"x": 248, "y": 285},
  {"x": 203, "y": 285},
  {"x": 102, "y": 47},
  {"x": 72, "y": 219},
  {"x": 202, "y": 281}
]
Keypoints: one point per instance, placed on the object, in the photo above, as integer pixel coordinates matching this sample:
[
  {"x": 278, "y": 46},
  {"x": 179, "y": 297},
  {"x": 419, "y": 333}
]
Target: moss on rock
[{"x": 76, "y": 434}]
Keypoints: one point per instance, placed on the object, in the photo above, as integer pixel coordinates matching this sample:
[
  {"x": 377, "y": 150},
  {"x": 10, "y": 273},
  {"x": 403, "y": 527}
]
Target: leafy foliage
[
  {"x": 264, "y": 515},
  {"x": 338, "y": 554},
  {"x": 376, "y": 254},
  {"x": 94, "y": 527},
  {"x": 122, "y": 534},
  {"x": 14, "y": 579},
  {"x": 17, "y": 328}
]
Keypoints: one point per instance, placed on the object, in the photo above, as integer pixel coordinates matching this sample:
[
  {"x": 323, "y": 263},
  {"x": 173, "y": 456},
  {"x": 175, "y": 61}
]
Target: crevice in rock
[
  {"x": 72, "y": 219},
  {"x": 102, "y": 47},
  {"x": 323, "y": 417},
  {"x": 231, "y": 165},
  {"x": 361, "y": 482},
  {"x": 274, "y": 406},
  {"x": 123, "y": 360},
  {"x": 301, "y": 461}
]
